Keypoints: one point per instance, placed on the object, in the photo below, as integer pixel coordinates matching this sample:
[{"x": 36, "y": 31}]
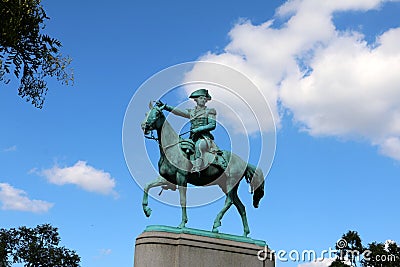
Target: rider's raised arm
[
  {"x": 174, "y": 110},
  {"x": 177, "y": 111}
]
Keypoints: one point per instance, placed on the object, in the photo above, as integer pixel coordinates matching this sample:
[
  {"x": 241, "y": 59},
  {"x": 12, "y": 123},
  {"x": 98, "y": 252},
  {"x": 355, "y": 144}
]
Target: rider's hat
[{"x": 200, "y": 92}]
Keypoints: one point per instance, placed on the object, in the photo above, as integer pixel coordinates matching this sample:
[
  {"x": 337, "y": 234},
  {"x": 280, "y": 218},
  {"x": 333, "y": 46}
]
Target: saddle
[{"x": 214, "y": 157}]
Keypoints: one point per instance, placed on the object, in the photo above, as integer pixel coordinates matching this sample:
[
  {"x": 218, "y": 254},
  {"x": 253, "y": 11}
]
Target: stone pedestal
[{"x": 163, "y": 246}]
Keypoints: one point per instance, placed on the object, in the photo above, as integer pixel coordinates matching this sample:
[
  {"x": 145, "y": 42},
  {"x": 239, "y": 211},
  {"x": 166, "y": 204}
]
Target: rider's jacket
[{"x": 203, "y": 118}]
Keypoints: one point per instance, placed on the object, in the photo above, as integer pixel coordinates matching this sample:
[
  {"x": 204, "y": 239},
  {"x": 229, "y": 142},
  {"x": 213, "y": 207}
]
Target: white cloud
[
  {"x": 105, "y": 252},
  {"x": 296, "y": 6},
  {"x": 352, "y": 91},
  {"x": 333, "y": 82},
  {"x": 16, "y": 199},
  {"x": 320, "y": 263},
  {"x": 239, "y": 100},
  {"x": 82, "y": 175},
  {"x": 10, "y": 149}
]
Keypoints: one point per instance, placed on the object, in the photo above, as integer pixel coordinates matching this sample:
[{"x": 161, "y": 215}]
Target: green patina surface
[{"x": 192, "y": 231}]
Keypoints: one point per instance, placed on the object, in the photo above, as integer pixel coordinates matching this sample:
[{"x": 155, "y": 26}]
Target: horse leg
[
  {"x": 242, "y": 211},
  {"x": 228, "y": 204},
  {"x": 157, "y": 182},
  {"x": 182, "y": 186}
]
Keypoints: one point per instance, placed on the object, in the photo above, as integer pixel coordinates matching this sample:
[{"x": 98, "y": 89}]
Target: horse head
[{"x": 154, "y": 118}]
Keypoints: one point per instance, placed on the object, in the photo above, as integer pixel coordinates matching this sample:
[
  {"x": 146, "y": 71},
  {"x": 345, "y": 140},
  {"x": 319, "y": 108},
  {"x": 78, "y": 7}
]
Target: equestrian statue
[{"x": 198, "y": 160}]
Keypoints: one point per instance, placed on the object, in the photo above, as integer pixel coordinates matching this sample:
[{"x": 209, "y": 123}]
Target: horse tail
[{"x": 255, "y": 177}]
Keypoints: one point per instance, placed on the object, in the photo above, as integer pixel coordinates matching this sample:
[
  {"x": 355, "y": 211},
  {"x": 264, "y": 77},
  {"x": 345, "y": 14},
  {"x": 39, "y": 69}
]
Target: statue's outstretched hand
[
  {"x": 160, "y": 104},
  {"x": 164, "y": 106}
]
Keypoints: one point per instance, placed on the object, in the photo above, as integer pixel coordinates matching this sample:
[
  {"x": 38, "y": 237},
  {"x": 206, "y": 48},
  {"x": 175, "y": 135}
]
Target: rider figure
[{"x": 203, "y": 121}]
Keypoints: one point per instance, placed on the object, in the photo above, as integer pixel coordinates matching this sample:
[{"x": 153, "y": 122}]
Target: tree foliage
[
  {"x": 389, "y": 255},
  {"x": 375, "y": 254},
  {"x": 35, "y": 247},
  {"x": 28, "y": 53},
  {"x": 353, "y": 246},
  {"x": 338, "y": 263}
]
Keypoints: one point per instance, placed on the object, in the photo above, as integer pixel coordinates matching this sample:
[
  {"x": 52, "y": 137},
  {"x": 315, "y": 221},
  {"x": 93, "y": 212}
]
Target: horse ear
[{"x": 151, "y": 104}]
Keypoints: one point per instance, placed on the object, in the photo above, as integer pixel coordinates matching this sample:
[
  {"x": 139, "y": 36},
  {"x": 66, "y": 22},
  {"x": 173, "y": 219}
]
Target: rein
[{"x": 152, "y": 137}]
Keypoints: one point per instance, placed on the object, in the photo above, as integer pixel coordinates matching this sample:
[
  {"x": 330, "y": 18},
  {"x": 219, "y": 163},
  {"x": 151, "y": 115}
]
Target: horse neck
[{"x": 167, "y": 138}]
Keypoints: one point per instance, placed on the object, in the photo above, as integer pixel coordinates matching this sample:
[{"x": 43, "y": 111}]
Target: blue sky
[{"x": 328, "y": 70}]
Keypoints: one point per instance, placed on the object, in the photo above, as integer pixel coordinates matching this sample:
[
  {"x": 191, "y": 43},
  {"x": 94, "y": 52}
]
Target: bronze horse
[{"x": 174, "y": 170}]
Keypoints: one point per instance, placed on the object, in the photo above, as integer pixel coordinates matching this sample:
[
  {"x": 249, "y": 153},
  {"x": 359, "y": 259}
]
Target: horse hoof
[
  {"x": 215, "y": 230},
  {"x": 216, "y": 224},
  {"x": 147, "y": 211},
  {"x": 246, "y": 232},
  {"x": 183, "y": 224}
]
